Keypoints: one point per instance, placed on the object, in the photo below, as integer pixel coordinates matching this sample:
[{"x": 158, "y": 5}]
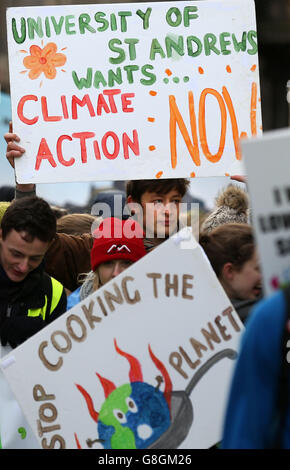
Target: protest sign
[
  {"x": 133, "y": 91},
  {"x": 144, "y": 362},
  {"x": 268, "y": 167},
  {"x": 15, "y": 432}
]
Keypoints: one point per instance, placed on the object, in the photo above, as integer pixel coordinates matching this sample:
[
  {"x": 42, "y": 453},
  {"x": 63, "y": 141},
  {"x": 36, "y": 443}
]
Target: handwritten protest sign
[
  {"x": 122, "y": 91},
  {"x": 268, "y": 167},
  {"x": 143, "y": 362}
]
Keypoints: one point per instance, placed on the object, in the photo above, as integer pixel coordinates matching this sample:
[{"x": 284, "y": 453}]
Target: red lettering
[
  {"x": 86, "y": 101},
  {"x": 97, "y": 150},
  {"x": 126, "y": 102},
  {"x": 64, "y": 107},
  {"x": 134, "y": 145},
  {"x": 102, "y": 104},
  {"x": 83, "y": 136},
  {"x": 110, "y": 156},
  {"x": 59, "y": 151},
  {"x": 21, "y": 106},
  {"x": 110, "y": 94},
  {"x": 109, "y": 147},
  {"x": 45, "y": 112},
  {"x": 44, "y": 153}
]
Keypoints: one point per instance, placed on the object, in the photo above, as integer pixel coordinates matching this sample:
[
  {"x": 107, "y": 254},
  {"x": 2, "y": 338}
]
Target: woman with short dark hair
[{"x": 232, "y": 253}]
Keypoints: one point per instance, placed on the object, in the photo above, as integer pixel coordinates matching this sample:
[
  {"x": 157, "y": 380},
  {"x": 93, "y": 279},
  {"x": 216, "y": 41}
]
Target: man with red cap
[{"x": 117, "y": 245}]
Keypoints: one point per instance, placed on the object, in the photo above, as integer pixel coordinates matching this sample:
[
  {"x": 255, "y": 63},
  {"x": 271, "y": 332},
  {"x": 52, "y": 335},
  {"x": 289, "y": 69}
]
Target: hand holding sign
[{"x": 13, "y": 149}]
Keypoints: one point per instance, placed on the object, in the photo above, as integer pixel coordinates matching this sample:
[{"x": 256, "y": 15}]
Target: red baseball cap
[{"x": 117, "y": 239}]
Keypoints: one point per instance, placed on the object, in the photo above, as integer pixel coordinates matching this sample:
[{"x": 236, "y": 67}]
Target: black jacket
[
  {"x": 244, "y": 307},
  {"x": 27, "y": 306}
]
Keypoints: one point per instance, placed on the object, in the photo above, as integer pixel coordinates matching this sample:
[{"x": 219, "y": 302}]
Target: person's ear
[{"x": 228, "y": 271}]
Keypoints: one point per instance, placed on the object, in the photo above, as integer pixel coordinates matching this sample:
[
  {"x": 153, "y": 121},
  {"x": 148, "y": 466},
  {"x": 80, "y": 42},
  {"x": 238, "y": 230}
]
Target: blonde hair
[
  {"x": 96, "y": 280},
  {"x": 91, "y": 276}
]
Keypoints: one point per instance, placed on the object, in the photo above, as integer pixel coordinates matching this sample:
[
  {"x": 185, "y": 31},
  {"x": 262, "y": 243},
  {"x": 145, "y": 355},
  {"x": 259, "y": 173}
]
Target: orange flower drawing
[{"x": 43, "y": 60}]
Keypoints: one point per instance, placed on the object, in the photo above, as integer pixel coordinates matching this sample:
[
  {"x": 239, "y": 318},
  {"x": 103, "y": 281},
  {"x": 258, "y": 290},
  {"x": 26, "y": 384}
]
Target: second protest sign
[{"x": 144, "y": 362}]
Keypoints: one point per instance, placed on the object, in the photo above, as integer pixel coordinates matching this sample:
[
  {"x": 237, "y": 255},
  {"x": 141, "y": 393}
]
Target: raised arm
[{"x": 13, "y": 151}]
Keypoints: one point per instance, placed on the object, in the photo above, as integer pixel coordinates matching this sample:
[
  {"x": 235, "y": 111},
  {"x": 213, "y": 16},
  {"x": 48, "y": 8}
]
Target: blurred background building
[{"x": 273, "y": 25}]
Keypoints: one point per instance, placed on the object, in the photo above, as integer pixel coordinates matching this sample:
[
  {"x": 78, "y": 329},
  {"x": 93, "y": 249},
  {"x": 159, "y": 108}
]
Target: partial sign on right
[{"x": 268, "y": 168}]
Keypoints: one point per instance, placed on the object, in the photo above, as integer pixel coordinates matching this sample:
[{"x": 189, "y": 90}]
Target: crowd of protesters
[{"x": 49, "y": 262}]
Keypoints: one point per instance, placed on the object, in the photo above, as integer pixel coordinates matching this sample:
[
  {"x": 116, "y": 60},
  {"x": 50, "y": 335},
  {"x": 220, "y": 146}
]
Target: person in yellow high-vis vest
[{"x": 29, "y": 299}]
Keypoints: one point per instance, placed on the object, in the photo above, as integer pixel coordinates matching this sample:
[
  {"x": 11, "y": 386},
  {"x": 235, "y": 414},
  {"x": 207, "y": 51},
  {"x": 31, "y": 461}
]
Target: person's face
[
  {"x": 110, "y": 269},
  {"x": 19, "y": 256},
  {"x": 246, "y": 283},
  {"x": 160, "y": 213}
]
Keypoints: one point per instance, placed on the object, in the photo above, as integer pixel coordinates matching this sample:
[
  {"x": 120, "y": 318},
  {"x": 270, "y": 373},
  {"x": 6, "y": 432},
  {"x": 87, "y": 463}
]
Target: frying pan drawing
[
  {"x": 165, "y": 417},
  {"x": 182, "y": 409}
]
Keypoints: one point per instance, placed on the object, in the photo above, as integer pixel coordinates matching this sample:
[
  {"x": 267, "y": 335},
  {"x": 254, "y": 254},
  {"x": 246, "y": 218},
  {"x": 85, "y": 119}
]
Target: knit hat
[
  {"x": 117, "y": 239},
  {"x": 3, "y": 207},
  {"x": 114, "y": 198},
  {"x": 7, "y": 193},
  {"x": 232, "y": 206}
]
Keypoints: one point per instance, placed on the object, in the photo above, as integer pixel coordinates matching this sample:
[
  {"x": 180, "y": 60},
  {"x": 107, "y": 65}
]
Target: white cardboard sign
[
  {"x": 145, "y": 361},
  {"x": 268, "y": 168},
  {"x": 130, "y": 91}
]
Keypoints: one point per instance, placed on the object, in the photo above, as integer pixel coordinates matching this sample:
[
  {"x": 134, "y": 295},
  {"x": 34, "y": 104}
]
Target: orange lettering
[
  {"x": 254, "y": 109},
  {"x": 235, "y": 129},
  {"x": 176, "y": 119},
  {"x": 202, "y": 131}
]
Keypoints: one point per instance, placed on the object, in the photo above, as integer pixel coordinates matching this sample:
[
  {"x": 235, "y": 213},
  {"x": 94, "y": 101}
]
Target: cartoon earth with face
[{"x": 134, "y": 415}]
